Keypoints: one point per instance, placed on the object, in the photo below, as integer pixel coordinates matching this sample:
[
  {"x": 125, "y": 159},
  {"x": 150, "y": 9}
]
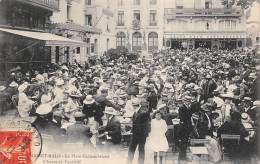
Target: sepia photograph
[{"x": 129, "y": 81}]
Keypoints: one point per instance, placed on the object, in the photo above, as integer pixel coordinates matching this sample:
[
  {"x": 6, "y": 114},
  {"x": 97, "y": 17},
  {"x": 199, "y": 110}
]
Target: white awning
[{"x": 48, "y": 38}]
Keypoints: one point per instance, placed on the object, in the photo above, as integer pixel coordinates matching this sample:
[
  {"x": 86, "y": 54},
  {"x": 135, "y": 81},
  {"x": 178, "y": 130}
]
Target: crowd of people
[{"x": 203, "y": 93}]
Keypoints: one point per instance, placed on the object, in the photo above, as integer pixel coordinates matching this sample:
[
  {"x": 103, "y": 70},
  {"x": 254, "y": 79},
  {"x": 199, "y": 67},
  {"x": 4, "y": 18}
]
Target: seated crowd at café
[{"x": 202, "y": 93}]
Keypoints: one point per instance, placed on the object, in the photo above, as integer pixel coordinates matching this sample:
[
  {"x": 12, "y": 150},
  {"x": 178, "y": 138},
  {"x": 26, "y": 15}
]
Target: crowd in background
[{"x": 203, "y": 93}]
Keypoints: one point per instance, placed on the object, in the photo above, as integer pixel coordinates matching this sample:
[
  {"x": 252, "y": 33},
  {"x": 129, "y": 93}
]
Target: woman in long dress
[{"x": 157, "y": 140}]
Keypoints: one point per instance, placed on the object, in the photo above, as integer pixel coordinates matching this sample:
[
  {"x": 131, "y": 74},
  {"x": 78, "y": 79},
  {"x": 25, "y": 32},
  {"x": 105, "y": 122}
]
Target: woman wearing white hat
[
  {"x": 228, "y": 107},
  {"x": 58, "y": 91},
  {"x": 72, "y": 106},
  {"x": 45, "y": 107},
  {"x": 72, "y": 85},
  {"x": 24, "y": 103},
  {"x": 12, "y": 94}
]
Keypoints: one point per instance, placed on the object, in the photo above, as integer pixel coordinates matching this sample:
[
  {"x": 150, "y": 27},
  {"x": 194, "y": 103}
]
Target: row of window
[
  {"x": 197, "y": 4},
  {"x": 137, "y": 17},
  {"x": 181, "y": 25},
  {"x": 121, "y": 2},
  {"x": 179, "y": 3},
  {"x": 121, "y": 40},
  {"x": 136, "y": 2}
]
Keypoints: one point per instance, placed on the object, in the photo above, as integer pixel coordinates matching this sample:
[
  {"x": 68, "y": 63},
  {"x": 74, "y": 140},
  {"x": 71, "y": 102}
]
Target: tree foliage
[{"x": 243, "y": 3}]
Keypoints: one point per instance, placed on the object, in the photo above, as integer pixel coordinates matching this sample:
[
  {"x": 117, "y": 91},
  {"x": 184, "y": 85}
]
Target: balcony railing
[
  {"x": 47, "y": 4},
  {"x": 202, "y": 12},
  {"x": 153, "y": 23},
  {"x": 136, "y": 24},
  {"x": 120, "y": 24}
]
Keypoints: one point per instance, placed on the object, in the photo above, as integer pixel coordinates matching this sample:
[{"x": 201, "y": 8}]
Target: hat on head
[
  {"x": 196, "y": 87},
  {"x": 39, "y": 78},
  {"x": 83, "y": 83},
  {"x": 45, "y": 99},
  {"x": 111, "y": 111},
  {"x": 161, "y": 106},
  {"x": 208, "y": 76},
  {"x": 247, "y": 99},
  {"x": 136, "y": 83},
  {"x": 13, "y": 84},
  {"x": 187, "y": 98},
  {"x": 43, "y": 109},
  {"x": 117, "y": 83},
  {"x": 172, "y": 90},
  {"x": 109, "y": 97},
  {"x": 72, "y": 80},
  {"x": 228, "y": 95},
  {"x": 75, "y": 94},
  {"x": 122, "y": 94},
  {"x": 2, "y": 88},
  {"x": 135, "y": 102},
  {"x": 79, "y": 114},
  {"x": 59, "y": 82},
  {"x": 89, "y": 100},
  {"x": 64, "y": 68},
  {"x": 23, "y": 87},
  {"x": 245, "y": 117},
  {"x": 256, "y": 103},
  {"x": 167, "y": 85},
  {"x": 121, "y": 102},
  {"x": 252, "y": 75}
]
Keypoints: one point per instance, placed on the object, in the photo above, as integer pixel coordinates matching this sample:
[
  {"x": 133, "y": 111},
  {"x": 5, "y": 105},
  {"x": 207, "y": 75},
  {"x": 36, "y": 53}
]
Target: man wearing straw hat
[
  {"x": 112, "y": 130},
  {"x": 91, "y": 109}
]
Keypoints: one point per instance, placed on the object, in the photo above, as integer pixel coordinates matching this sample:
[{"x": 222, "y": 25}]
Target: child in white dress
[{"x": 157, "y": 140}]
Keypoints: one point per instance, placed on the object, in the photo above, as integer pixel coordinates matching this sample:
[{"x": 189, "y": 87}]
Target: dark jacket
[
  {"x": 208, "y": 87},
  {"x": 78, "y": 133},
  {"x": 235, "y": 128},
  {"x": 114, "y": 130},
  {"x": 185, "y": 122},
  {"x": 152, "y": 100},
  {"x": 102, "y": 102},
  {"x": 141, "y": 120},
  {"x": 93, "y": 110}
]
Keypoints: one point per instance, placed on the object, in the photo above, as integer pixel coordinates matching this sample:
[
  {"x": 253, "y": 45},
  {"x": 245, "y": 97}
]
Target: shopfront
[
  {"x": 24, "y": 49},
  {"x": 204, "y": 40}
]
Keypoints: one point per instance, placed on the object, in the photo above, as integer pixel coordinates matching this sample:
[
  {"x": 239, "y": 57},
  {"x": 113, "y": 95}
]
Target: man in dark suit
[
  {"x": 208, "y": 87},
  {"x": 91, "y": 109},
  {"x": 103, "y": 102},
  {"x": 185, "y": 129},
  {"x": 235, "y": 127},
  {"x": 140, "y": 130},
  {"x": 78, "y": 132},
  {"x": 113, "y": 127}
]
